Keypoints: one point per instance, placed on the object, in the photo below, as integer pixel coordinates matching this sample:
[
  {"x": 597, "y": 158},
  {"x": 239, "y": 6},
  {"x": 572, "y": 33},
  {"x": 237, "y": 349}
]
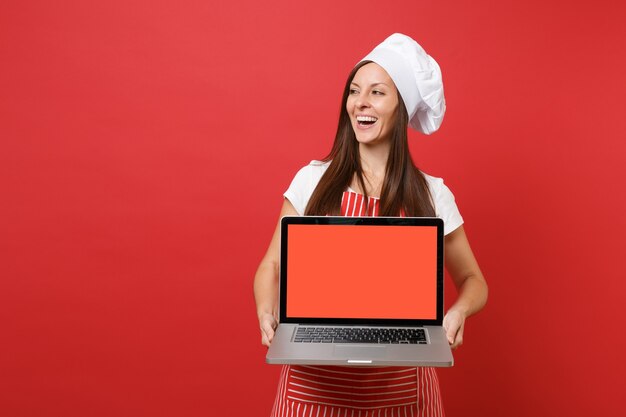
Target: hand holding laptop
[
  {"x": 454, "y": 324},
  {"x": 268, "y": 324}
]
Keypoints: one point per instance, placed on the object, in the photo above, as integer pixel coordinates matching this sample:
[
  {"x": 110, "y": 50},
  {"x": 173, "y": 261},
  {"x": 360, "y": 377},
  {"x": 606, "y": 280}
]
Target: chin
[{"x": 367, "y": 140}]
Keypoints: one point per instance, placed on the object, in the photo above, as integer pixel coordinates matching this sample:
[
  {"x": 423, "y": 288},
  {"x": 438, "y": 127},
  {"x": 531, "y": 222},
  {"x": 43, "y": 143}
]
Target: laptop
[{"x": 363, "y": 291}]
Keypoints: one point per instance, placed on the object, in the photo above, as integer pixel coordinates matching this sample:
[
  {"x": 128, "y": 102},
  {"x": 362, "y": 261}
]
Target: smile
[{"x": 366, "y": 121}]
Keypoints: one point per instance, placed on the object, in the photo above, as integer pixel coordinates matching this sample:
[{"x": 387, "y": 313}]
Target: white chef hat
[{"x": 417, "y": 77}]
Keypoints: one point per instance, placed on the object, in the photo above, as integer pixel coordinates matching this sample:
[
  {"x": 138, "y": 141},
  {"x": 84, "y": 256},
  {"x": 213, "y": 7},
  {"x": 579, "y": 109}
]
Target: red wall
[{"x": 145, "y": 147}]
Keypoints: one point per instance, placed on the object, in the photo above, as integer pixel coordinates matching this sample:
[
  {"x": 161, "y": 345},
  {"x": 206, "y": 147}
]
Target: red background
[{"x": 146, "y": 145}]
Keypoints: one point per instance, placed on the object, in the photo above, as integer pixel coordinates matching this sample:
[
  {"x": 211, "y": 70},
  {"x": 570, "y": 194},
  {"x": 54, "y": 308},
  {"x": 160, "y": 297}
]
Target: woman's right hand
[
  {"x": 268, "y": 324},
  {"x": 266, "y": 281}
]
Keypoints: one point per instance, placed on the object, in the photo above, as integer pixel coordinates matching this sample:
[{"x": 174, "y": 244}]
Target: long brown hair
[{"x": 404, "y": 191}]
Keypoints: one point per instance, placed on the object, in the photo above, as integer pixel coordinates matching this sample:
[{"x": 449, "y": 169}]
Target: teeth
[{"x": 366, "y": 118}]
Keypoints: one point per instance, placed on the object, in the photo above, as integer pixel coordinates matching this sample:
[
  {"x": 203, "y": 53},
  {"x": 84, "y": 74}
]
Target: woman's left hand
[{"x": 453, "y": 324}]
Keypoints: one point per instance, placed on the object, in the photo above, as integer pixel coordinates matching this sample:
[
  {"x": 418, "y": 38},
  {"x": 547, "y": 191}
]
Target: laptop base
[{"x": 433, "y": 354}]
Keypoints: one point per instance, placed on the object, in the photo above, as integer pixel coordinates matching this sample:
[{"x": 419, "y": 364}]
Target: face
[{"x": 372, "y": 104}]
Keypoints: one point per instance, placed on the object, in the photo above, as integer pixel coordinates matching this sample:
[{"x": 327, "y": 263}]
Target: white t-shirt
[{"x": 305, "y": 181}]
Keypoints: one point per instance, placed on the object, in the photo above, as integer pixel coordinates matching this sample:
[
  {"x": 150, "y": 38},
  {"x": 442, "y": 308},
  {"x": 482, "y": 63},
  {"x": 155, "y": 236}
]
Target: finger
[
  {"x": 458, "y": 338},
  {"x": 450, "y": 338},
  {"x": 458, "y": 341},
  {"x": 266, "y": 339},
  {"x": 270, "y": 330},
  {"x": 270, "y": 335},
  {"x": 451, "y": 333}
]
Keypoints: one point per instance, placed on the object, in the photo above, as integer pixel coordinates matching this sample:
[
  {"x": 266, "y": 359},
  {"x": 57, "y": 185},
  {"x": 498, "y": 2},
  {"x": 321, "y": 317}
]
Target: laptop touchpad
[{"x": 359, "y": 351}]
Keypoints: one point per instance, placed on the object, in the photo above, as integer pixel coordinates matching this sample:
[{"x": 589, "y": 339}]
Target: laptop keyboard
[{"x": 360, "y": 335}]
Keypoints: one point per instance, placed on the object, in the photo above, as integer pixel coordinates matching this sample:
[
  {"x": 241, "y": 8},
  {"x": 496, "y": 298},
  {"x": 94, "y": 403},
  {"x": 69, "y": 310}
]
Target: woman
[{"x": 369, "y": 172}]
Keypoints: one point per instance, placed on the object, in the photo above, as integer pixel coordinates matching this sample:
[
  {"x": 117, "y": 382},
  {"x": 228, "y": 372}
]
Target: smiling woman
[
  {"x": 369, "y": 172},
  {"x": 372, "y": 160}
]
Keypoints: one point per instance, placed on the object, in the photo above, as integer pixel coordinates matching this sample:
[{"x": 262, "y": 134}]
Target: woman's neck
[
  {"x": 374, "y": 159},
  {"x": 374, "y": 165}
]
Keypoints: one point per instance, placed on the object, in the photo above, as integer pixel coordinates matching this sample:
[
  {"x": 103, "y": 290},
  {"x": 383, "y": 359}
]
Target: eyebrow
[{"x": 373, "y": 85}]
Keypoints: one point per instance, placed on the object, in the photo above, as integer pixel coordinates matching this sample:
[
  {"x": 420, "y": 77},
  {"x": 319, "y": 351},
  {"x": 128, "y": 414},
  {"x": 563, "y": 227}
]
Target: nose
[{"x": 361, "y": 101}]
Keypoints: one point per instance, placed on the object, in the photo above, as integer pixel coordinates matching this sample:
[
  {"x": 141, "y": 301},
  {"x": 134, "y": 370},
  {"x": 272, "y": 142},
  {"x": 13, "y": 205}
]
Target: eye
[
  {"x": 378, "y": 93},
  {"x": 354, "y": 91}
]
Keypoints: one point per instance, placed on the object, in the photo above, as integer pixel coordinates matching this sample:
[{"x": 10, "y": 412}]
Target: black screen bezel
[{"x": 368, "y": 221}]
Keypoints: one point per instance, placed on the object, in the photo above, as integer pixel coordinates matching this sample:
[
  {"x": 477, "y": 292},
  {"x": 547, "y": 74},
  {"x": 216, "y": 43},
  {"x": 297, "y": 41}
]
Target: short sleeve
[
  {"x": 445, "y": 205},
  {"x": 303, "y": 185}
]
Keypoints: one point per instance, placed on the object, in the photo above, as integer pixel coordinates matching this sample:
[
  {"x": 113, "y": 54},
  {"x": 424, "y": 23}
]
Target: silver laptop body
[{"x": 374, "y": 276}]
